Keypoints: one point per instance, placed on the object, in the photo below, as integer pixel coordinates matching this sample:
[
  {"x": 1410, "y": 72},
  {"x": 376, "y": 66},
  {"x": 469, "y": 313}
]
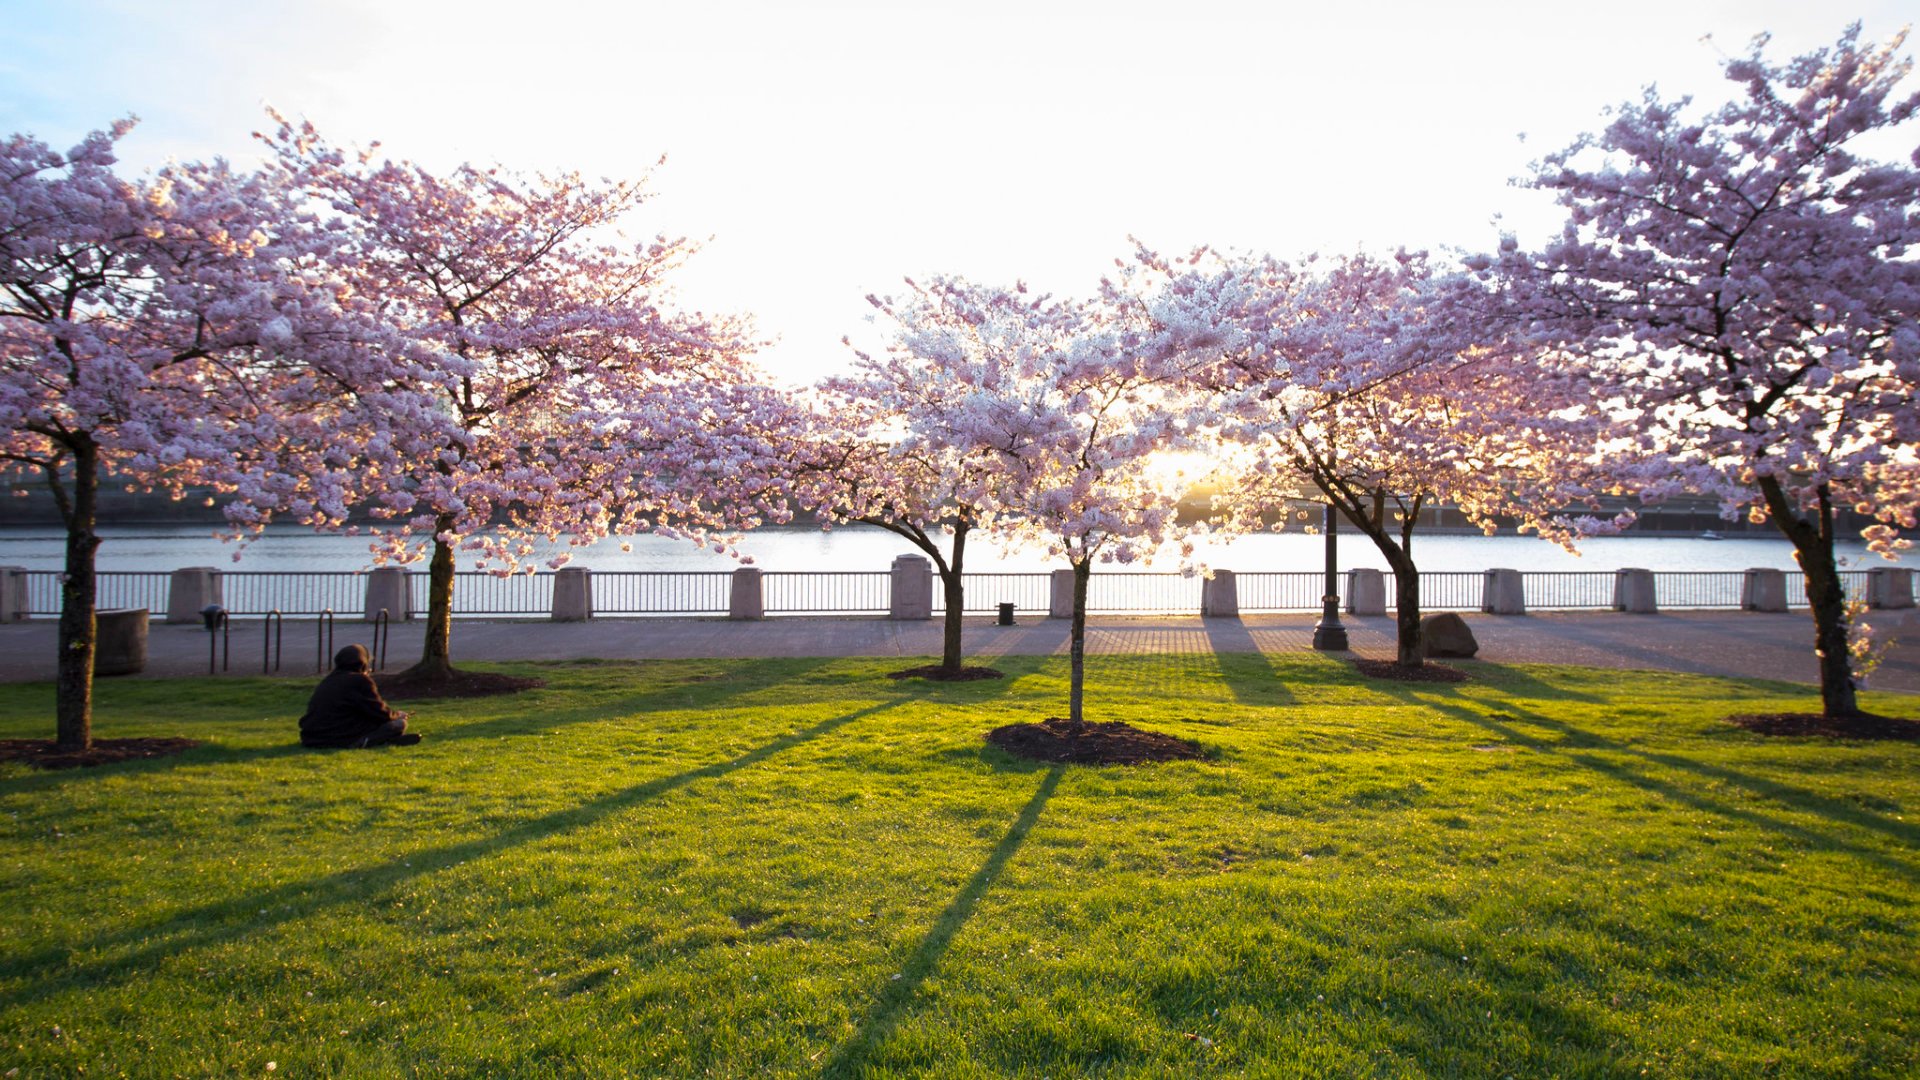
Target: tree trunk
[
  {"x": 1826, "y": 597},
  {"x": 73, "y": 693},
  {"x": 436, "y": 659},
  {"x": 1077, "y": 679},
  {"x": 1409, "y": 650},
  {"x": 951, "y": 584},
  {"x": 1412, "y": 651}
]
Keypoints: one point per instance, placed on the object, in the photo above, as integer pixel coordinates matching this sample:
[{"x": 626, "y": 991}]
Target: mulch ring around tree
[
  {"x": 1085, "y": 743},
  {"x": 1427, "y": 672},
  {"x": 46, "y": 754},
  {"x": 460, "y": 684},
  {"x": 1864, "y": 726},
  {"x": 936, "y": 673}
]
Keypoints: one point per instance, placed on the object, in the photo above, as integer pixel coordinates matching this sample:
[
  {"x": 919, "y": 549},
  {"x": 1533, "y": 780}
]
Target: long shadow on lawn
[
  {"x": 1578, "y": 740},
  {"x": 894, "y": 997},
  {"x": 1241, "y": 662},
  {"x": 239, "y": 917},
  {"x": 711, "y": 691}
]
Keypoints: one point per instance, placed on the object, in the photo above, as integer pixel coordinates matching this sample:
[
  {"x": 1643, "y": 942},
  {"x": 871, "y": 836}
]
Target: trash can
[
  {"x": 120, "y": 642},
  {"x": 1006, "y": 614}
]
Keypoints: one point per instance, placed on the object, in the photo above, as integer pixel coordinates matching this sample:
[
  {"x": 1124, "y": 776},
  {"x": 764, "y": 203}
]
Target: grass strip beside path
[{"x": 801, "y": 867}]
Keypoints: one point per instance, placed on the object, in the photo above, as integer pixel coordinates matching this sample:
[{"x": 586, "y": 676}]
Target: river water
[{"x": 166, "y": 547}]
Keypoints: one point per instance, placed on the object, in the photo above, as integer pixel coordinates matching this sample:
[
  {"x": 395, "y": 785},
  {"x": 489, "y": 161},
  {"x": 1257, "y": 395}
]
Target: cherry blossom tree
[
  {"x": 1743, "y": 282},
  {"x": 1067, "y": 401},
  {"x": 155, "y": 332},
  {"x": 1372, "y": 382},
  {"x": 877, "y": 453},
  {"x": 568, "y": 400}
]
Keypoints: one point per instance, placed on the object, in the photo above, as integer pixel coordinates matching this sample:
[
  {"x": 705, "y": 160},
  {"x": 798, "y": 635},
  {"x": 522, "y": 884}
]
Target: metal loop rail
[
  {"x": 222, "y": 645},
  {"x": 272, "y": 631},
  {"x": 323, "y": 640},
  {"x": 380, "y": 630}
]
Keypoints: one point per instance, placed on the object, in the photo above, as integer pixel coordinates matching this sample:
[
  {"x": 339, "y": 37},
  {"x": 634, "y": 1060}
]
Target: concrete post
[
  {"x": 120, "y": 642},
  {"x": 1220, "y": 596},
  {"x": 1060, "y": 599},
  {"x": 1366, "y": 591},
  {"x": 13, "y": 593},
  {"x": 1633, "y": 591},
  {"x": 1890, "y": 587},
  {"x": 190, "y": 589},
  {"x": 1763, "y": 589},
  {"x": 747, "y": 600},
  {"x": 912, "y": 592},
  {"x": 1503, "y": 592},
  {"x": 387, "y": 589},
  {"x": 573, "y": 594}
]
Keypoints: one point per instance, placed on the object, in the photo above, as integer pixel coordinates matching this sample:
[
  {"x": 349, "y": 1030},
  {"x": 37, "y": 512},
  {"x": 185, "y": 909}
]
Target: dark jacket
[{"x": 346, "y": 706}]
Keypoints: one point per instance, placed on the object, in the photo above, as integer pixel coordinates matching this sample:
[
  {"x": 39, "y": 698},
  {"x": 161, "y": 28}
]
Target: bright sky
[{"x": 829, "y": 148}]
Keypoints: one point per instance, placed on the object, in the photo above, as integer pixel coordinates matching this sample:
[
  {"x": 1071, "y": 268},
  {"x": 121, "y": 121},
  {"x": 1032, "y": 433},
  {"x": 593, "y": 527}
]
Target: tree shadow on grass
[
  {"x": 1512, "y": 680},
  {"x": 1246, "y": 668},
  {"x": 1577, "y": 743},
  {"x": 223, "y": 921},
  {"x": 702, "y": 691},
  {"x": 895, "y": 995}
]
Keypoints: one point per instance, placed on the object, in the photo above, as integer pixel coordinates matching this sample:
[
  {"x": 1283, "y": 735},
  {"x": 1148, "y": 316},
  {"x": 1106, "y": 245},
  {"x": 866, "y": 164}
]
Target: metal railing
[
  {"x": 832, "y": 592},
  {"x": 1265, "y": 591},
  {"x": 1566, "y": 590},
  {"x": 663, "y": 592},
  {"x": 984, "y": 593},
  {"x": 253, "y": 594},
  {"x": 1447, "y": 590},
  {"x": 291, "y": 592}
]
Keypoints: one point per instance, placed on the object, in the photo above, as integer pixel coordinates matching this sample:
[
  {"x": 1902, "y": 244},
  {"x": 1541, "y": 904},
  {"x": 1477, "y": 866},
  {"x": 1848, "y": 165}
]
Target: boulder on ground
[{"x": 1446, "y": 634}]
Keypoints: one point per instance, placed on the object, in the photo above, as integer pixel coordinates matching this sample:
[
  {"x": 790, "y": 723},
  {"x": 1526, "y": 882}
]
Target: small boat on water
[{"x": 1711, "y": 535}]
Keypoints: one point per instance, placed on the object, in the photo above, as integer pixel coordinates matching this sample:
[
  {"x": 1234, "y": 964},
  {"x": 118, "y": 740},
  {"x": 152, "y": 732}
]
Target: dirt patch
[
  {"x": 461, "y": 684},
  {"x": 1427, "y": 672},
  {"x": 1864, "y": 726},
  {"x": 936, "y": 673},
  {"x": 45, "y": 754},
  {"x": 1085, "y": 743}
]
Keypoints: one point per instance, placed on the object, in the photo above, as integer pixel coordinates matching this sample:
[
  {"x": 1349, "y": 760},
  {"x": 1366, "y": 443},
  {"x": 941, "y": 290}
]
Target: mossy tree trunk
[
  {"x": 1812, "y": 539},
  {"x": 73, "y": 685},
  {"x": 436, "y": 656}
]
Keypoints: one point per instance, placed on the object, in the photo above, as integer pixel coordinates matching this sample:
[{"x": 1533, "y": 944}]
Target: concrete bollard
[
  {"x": 120, "y": 642},
  {"x": 573, "y": 594},
  {"x": 387, "y": 590},
  {"x": 1503, "y": 592},
  {"x": 1633, "y": 591},
  {"x": 1060, "y": 597},
  {"x": 1763, "y": 589},
  {"x": 1220, "y": 596},
  {"x": 1366, "y": 591},
  {"x": 747, "y": 601},
  {"x": 190, "y": 589},
  {"x": 13, "y": 593},
  {"x": 912, "y": 588},
  {"x": 1890, "y": 587}
]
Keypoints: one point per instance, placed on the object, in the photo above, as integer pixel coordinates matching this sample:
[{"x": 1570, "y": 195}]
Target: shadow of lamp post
[{"x": 1328, "y": 634}]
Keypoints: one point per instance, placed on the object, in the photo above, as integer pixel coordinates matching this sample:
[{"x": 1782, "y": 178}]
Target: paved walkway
[{"x": 1709, "y": 643}]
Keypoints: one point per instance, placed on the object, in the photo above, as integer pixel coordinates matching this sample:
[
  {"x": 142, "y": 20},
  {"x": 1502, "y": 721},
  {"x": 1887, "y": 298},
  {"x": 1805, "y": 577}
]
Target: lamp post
[{"x": 1328, "y": 634}]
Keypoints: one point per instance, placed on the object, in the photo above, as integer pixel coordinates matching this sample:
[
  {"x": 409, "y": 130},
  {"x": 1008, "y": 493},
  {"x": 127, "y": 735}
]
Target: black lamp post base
[{"x": 1330, "y": 637}]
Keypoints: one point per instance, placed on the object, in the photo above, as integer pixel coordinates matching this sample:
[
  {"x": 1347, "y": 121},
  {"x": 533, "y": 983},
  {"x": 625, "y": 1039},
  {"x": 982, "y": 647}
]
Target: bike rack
[
  {"x": 380, "y": 629},
  {"x": 222, "y": 645},
  {"x": 323, "y": 640},
  {"x": 272, "y": 630}
]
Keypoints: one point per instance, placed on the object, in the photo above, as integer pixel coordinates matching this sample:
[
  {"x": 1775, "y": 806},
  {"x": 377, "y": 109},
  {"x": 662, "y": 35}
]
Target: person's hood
[{"x": 352, "y": 658}]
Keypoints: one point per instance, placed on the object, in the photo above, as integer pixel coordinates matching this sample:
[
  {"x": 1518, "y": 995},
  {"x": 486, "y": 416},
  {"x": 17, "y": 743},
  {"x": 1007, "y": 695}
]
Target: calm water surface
[{"x": 865, "y": 548}]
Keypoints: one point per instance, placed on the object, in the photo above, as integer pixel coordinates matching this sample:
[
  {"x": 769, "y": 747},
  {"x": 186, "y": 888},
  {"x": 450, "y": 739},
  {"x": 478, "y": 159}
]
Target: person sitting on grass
[{"x": 346, "y": 709}]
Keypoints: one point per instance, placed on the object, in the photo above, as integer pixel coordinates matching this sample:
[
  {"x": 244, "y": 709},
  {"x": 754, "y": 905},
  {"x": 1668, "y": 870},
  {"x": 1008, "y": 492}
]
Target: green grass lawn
[{"x": 800, "y": 867}]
